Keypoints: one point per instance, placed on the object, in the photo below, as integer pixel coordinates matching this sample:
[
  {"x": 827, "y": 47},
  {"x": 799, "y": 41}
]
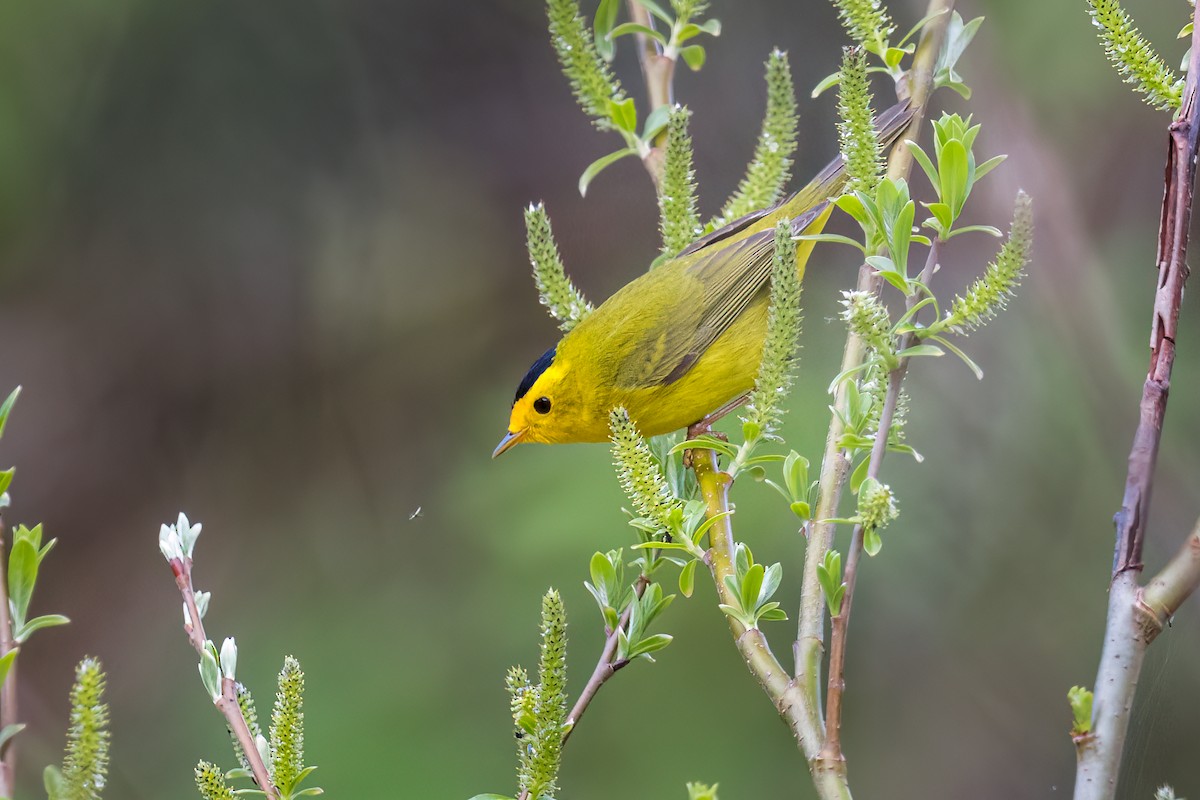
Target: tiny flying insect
[{"x": 415, "y": 514}]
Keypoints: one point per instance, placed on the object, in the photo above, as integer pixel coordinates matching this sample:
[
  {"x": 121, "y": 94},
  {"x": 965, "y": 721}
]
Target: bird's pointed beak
[{"x": 510, "y": 440}]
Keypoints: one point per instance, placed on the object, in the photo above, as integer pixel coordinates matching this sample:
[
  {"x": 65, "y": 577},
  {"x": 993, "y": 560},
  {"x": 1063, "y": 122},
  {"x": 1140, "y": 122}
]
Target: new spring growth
[
  {"x": 1166, "y": 792},
  {"x": 178, "y": 540},
  {"x": 1080, "y": 700},
  {"x": 640, "y": 474},
  {"x": 85, "y": 763},
  {"x": 876, "y": 508},
  {"x": 770, "y": 169},
  {"x": 989, "y": 294},
  {"x": 287, "y": 728},
  {"x": 210, "y": 780},
  {"x": 678, "y": 218},
  {"x": 555, "y": 290},
  {"x": 764, "y": 410},
  {"x": 856, "y": 126},
  {"x": 591, "y": 80},
  {"x": 702, "y": 791},
  {"x": 867, "y": 22},
  {"x": 523, "y": 704},
  {"x": 1134, "y": 57},
  {"x": 868, "y": 319},
  {"x": 538, "y": 774}
]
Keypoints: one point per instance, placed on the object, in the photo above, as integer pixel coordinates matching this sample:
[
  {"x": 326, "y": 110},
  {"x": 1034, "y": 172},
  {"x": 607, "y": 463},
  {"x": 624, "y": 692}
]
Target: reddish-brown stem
[
  {"x": 227, "y": 703},
  {"x": 839, "y": 623},
  {"x": 658, "y": 72},
  {"x": 1174, "y": 224},
  {"x": 1136, "y": 615},
  {"x": 8, "y": 693}
]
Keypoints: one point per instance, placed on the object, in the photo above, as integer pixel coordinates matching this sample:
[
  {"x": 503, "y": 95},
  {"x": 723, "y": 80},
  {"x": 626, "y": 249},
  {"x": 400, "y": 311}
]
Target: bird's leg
[{"x": 704, "y": 426}]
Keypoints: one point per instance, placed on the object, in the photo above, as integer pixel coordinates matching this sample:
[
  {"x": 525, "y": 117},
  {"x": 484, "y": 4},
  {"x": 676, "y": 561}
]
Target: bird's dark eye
[{"x": 542, "y": 405}]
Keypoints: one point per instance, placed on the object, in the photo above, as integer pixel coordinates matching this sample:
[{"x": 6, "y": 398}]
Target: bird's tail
[{"x": 830, "y": 180}]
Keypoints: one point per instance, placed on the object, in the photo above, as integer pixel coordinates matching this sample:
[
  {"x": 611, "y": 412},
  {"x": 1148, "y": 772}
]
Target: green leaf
[
  {"x": 921, "y": 350},
  {"x": 656, "y": 122},
  {"x": 492, "y": 797},
  {"x": 872, "y": 543},
  {"x": 831, "y": 237},
  {"x": 628, "y": 28},
  {"x": 694, "y": 55},
  {"x": 22, "y": 575},
  {"x": 5, "y": 665},
  {"x": 687, "y": 578},
  {"x": 751, "y": 585},
  {"x": 922, "y": 158},
  {"x": 650, "y": 644},
  {"x": 958, "y": 352},
  {"x": 828, "y": 82},
  {"x": 7, "y": 406},
  {"x": 988, "y": 166},
  {"x": 623, "y": 113},
  {"x": 37, "y": 623},
  {"x": 599, "y": 164},
  {"x": 771, "y": 612},
  {"x": 988, "y": 229},
  {"x": 860, "y": 474},
  {"x": 6, "y": 478},
  {"x": 56, "y": 787},
  {"x": 606, "y": 18},
  {"x": 953, "y": 171},
  {"x": 9, "y": 732}
]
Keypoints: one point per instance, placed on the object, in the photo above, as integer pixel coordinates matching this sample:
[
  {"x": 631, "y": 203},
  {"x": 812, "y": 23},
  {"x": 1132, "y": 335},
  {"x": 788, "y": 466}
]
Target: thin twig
[
  {"x": 835, "y": 464},
  {"x": 8, "y": 694},
  {"x": 1135, "y": 615},
  {"x": 839, "y": 624},
  {"x": 227, "y": 704},
  {"x": 606, "y": 667}
]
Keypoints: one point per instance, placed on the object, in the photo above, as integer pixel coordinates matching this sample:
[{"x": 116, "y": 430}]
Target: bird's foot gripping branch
[{"x": 717, "y": 317}]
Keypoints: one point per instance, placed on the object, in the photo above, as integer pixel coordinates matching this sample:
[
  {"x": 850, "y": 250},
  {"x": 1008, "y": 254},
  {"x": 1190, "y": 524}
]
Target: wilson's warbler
[{"x": 680, "y": 341}]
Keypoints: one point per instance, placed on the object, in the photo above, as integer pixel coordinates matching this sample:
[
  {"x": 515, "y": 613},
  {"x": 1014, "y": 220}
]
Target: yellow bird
[{"x": 681, "y": 341}]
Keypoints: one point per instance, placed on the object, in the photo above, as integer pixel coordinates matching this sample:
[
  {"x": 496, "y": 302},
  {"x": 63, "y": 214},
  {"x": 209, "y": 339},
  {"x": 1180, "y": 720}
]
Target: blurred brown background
[{"x": 264, "y": 262}]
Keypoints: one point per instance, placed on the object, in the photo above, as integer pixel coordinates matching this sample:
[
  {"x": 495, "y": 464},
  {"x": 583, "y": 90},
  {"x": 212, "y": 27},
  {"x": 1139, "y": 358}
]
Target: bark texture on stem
[{"x": 1135, "y": 615}]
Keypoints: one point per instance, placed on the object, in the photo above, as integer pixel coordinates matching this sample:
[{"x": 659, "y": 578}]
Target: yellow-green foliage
[
  {"x": 765, "y": 407},
  {"x": 639, "y": 472},
  {"x": 770, "y": 168},
  {"x": 85, "y": 764},
  {"x": 856, "y": 128},
  {"x": 989, "y": 295},
  {"x": 1133, "y": 56},
  {"x": 591, "y": 79},
  {"x": 867, "y": 22},
  {"x": 287, "y": 727},
  {"x": 678, "y": 219},
  {"x": 211, "y": 782},
  {"x": 555, "y": 290}
]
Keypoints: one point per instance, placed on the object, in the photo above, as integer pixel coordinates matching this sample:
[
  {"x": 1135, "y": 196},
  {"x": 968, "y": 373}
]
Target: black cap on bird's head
[{"x": 514, "y": 437}]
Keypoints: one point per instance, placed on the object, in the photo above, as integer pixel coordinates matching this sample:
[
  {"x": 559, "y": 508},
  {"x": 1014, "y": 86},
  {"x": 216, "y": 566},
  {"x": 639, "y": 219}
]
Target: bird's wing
[{"x": 720, "y": 284}]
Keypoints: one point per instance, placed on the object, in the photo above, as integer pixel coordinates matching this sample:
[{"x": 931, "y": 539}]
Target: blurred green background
[{"x": 264, "y": 262}]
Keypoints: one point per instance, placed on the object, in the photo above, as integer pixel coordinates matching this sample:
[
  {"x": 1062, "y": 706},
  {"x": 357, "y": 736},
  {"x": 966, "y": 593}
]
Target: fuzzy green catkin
[
  {"x": 866, "y": 21},
  {"x": 765, "y": 406},
  {"x": 551, "y": 710},
  {"x": 678, "y": 219},
  {"x": 868, "y": 319},
  {"x": 639, "y": 473},
  {"x": 591, "y": 80},
  {"x": 555, "y": 290},
  {"x": 856, "y": 125},
  {"x": 211, "y": 782},
  {"x": 769, "y": 170},
  {"x": 687, "y": 9},
  {"x": 876, "y": 504},
  {"x": 1134, "y": 57},
  {"x": 989, "y": 294},
  {"x": 287, "y": 727},
  {"x": 250, "y": 714},
  {"x": 85, "y": 765}
]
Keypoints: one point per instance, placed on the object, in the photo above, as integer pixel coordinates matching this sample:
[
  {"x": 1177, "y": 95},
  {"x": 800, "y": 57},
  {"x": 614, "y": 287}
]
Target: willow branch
[
  {"x": 835, "y": 464},
  {"x": 1135, "y": 616},
  {"x": 658, "y": 72},
  {"x": 839, "y": 624},
  {"x": 227, "y": 704},
  {"x": 8, "y": 693}
]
